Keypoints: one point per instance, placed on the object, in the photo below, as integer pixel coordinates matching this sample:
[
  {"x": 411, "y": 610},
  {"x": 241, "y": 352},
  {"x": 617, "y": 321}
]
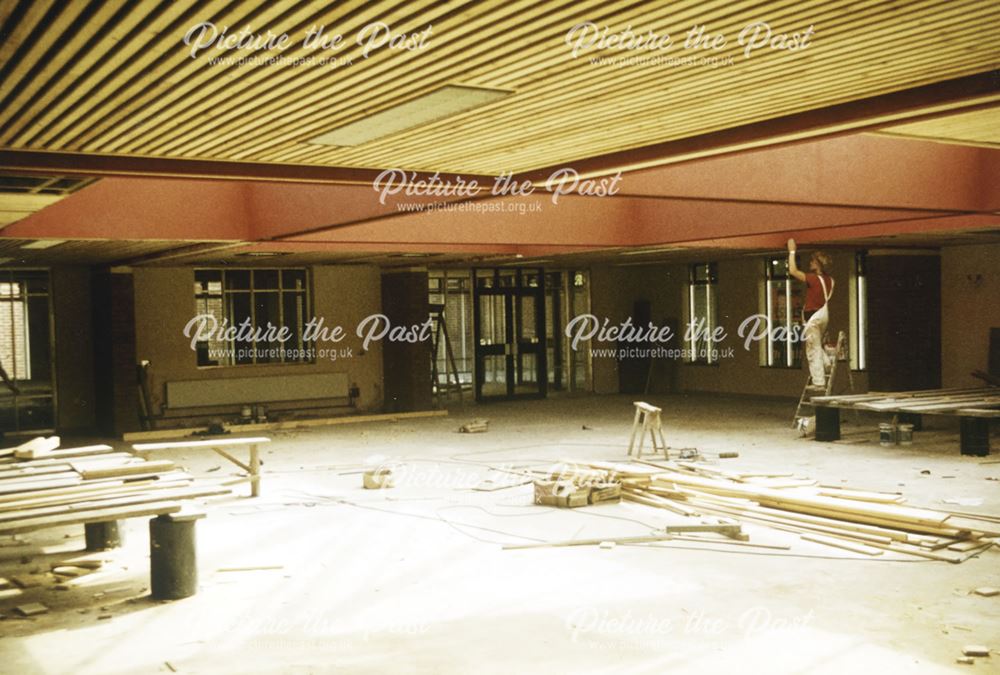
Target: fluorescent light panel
[{"x": 448, "y": 100}]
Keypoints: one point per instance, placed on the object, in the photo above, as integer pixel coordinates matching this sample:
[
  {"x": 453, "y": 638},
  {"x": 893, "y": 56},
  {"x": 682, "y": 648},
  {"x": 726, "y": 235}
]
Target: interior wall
[
  {"x": 614, "y": 292},
  {"x": 615, "y": 289},
  {"x": 969, "y": 308},
  {"x": 74, "y": 363},
  {"x": 342, "y": 295},
  {"x": 407, "y": 383}
]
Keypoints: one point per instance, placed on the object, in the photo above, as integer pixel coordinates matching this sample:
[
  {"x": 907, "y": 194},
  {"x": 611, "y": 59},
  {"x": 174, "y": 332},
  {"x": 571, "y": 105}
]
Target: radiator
[{"x": 261, "y": 389}]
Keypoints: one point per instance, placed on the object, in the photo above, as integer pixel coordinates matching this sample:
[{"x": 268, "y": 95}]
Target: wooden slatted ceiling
[
  {"x": 115, "y": 77},
  {"x": 981, "y": 127}
]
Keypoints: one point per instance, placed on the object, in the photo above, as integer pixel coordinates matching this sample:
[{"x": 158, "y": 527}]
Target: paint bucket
[
  {"x": 886, "y": 434},
  {"x": 905, "y": 434}
]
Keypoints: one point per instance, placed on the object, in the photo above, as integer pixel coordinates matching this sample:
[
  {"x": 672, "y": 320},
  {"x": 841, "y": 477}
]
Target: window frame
[
  {"x": 226, "y": 294},
  {"x": 19, "y": 275},
  {"x": 710, "y": 282},
  {"x": 792, "y": 350},
  {"x": 859, "y": 312}
]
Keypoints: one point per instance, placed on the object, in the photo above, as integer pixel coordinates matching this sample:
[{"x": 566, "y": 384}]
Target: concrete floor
[{"x": 413, "y": 579}]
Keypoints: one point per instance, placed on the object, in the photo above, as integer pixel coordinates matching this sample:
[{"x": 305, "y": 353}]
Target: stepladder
[
  {"x": 648, "y": 421},
  {"x": 805, "y": 412},
  {"x": 439, "y": 338}
]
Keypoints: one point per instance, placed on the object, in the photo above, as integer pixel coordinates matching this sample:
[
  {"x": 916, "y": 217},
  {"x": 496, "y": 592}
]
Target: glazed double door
[{"x": 510, "y": 336}]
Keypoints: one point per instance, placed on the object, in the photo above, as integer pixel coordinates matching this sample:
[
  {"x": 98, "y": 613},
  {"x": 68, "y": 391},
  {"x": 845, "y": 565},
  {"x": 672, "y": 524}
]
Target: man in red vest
[{"x": 819, "y": 290}]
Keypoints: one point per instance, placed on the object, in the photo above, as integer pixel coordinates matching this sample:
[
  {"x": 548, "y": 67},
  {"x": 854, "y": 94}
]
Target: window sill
[{"x": 255, "y": 365}]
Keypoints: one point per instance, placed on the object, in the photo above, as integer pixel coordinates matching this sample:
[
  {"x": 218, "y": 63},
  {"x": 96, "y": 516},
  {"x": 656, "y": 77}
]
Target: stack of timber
[
  {"x": 982, "y": 401},
  {"x": 43, "y": 485},
  {"x": 860, "y": 521}
]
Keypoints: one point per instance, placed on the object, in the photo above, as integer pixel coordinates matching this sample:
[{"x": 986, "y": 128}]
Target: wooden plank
[
  {"x": 28, "y": 471},
  {"x": 82, "y": 451},
  {"x": 223, "y": 442},
  {"x": 840, "y": 543},
  {"x": 69, "y": 481},
  {"x": 590, "y": 542},
  {"x": 126, "y": 469},
  {"x": 92, "y": 516},
  {"x": 36, "y": 446},
  {"x": 289, "y": 424},
  {"x": 32, "y": 501},
  {"x": 899, "y": 395},
  {"x": 88, "y": 485},
  {"x": 58, "y": 461},
  {"x": 984, "y": 403},
  {"x": 977, "y": 412},
  {"x": 780, "y": 522},
  {"x": 861, "y": 495},
  {"x": 659, "y": 502},
  {"x": 91, "y": 504},
  {"x": 789, "y": 501},
  {"x": 232, "y": 459}
]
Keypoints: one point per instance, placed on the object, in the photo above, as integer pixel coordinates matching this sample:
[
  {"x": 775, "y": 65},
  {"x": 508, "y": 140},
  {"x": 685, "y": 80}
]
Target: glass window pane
[
  {"x": 39, "y": 355},
  {"x": 293, "y": 279},
  {"x": 237, "y": 280},
  {"x": 265, "y": 279},
  {"x": 240, "y": 311},
  {"x": 207, "y": 281},
  {"x": 267, "y": 315},
  {"x": 37, "y": 282},
  {"x": 293, "y": 307}
]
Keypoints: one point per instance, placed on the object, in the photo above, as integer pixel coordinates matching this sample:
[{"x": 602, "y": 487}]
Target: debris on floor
[
  {"x": 31, "y": 609},
  {"x": 987, "y": 591},
  {"x": 601, "y": 493},
  {"x": 476, "y": 426},
  {"x": 860, "y": 521},
  {"x": 29, "y": 580},
  {"x": 963, "y": 501},
  {"x": 562, "y": 493},
  {"x": 379, "y": 478}
]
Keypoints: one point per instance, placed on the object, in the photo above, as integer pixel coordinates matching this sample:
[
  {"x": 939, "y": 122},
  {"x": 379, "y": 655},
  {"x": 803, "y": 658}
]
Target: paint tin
[
  {"x": 887, "y": 433},
  {"x": 904, "y": 435}
]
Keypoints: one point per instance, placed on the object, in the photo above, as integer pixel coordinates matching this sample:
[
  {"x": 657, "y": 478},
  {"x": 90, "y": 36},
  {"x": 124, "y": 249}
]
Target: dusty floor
[{"x": 413, "y": 580}]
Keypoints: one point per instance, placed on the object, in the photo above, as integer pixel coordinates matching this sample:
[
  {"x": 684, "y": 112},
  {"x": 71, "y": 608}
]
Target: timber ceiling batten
[
  {"x": 981, "y": 127},
  {"x": 116, "y": 78}
]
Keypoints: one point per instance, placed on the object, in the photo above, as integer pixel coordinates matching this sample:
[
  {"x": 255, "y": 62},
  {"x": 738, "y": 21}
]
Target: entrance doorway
[{"x": 510, "y": 341}]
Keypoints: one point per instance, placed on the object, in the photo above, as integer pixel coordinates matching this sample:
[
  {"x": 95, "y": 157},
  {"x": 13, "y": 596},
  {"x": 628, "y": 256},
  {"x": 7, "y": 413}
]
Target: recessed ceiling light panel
[{"x": 449, "y": 100}]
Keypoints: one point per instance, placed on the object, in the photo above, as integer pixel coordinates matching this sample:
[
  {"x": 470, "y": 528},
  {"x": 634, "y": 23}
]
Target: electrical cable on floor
[
  {"x": 778, "y": 555},
  {"x": 330, "y": 500}
]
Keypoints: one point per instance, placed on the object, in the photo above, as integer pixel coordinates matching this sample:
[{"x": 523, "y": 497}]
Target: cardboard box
[
  {"x": 605, "y": 493},
  {"x": 562, "y": 493},
  {"x": 377, "y": 479}
]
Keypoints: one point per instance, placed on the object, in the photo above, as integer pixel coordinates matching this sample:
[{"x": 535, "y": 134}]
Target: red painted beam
[{"x": 862, "y": 170}]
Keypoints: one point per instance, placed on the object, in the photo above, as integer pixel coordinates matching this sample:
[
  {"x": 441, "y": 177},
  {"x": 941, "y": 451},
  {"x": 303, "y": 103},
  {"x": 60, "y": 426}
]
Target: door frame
[{"x": 514, "y": 346}]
